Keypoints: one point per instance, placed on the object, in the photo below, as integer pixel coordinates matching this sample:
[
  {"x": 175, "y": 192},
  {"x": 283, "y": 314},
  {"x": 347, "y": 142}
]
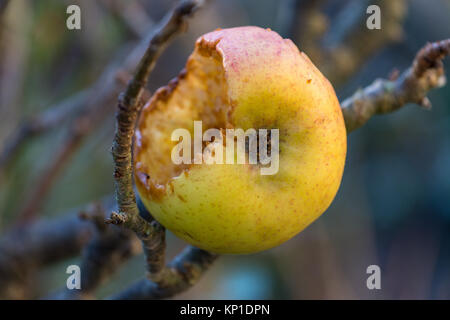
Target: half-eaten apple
[{"x": 246, "y": 78}]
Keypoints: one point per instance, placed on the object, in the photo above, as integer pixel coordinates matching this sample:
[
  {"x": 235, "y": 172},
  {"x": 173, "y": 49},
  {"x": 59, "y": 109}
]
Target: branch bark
[
  {"x": 385, "y": 96},
  {"x": 151, "y": 233},
  {"x": 183, "y": 272},
  {"x": 94, "y": 107}
]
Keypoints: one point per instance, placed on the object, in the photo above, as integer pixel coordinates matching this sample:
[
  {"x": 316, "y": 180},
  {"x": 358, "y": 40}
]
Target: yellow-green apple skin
[{"x": 245, "y": 77}]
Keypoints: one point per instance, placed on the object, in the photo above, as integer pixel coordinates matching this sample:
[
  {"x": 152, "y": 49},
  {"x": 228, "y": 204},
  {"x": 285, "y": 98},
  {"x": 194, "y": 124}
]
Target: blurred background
[{"x": 58, "y": 92}]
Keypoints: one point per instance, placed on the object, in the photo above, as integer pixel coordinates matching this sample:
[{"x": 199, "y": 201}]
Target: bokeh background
[{"x": 392, "y": 210}]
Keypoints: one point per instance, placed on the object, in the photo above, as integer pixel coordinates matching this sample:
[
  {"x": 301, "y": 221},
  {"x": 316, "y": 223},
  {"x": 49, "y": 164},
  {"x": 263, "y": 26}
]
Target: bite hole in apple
[{"x": 198, "y": 93}]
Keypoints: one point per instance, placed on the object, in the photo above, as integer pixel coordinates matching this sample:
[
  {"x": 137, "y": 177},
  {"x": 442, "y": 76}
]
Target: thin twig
[
  {"x": 152, "y": 234},
  {"x": 385, "y": 96}
]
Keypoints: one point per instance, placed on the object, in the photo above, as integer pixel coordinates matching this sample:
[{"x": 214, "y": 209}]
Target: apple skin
[{"x": 268, "y": 83}]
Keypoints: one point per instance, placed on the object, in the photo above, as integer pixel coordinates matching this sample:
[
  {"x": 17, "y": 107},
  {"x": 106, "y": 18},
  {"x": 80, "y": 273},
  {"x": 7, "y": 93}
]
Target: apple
[{"x": 248, "y": 78}]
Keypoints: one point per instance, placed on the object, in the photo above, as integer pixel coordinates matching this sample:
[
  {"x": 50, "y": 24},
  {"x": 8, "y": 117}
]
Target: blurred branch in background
[
  {"x": 334, "y": 44},
  {"x": 85, "y": 110},
  {"x": 385, "y": 96},
  {"x": 39, "y": 124},
  {"x": 183, "y": 272},
  {"x": 133, "y": 14},
  {"x": 93, "y": 111}
]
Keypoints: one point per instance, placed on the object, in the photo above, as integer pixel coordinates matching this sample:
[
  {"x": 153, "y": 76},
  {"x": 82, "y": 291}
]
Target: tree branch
[
  {"x": 183, "y": 272},
  {"x": 108, "y": 249},
  {"x": 26, "y": 249},
  {"x": 385, "y": 96},
  {"x": 151, "y": 233},
  {"x": 337, "y": 49}
]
